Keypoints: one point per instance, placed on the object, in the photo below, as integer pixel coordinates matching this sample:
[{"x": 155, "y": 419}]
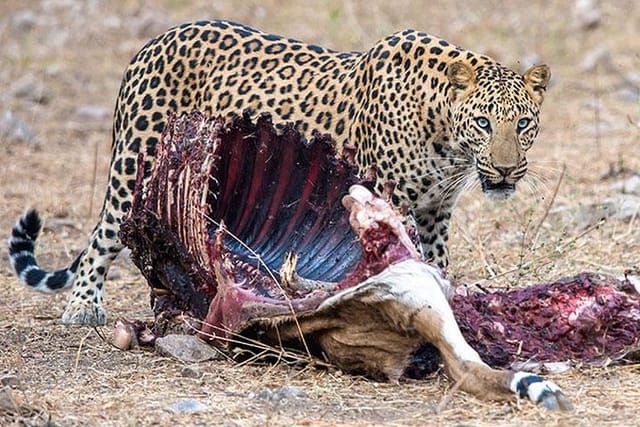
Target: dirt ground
[{"x": 60, "y": 68}]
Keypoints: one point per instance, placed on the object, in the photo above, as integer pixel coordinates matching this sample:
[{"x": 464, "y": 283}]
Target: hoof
[
  {"x": 556, "y": 401},
  {"x": 543, "y": 392}
]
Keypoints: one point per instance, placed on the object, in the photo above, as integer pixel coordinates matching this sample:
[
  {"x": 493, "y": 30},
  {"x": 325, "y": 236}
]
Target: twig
[
  {"x": 269, "y": 272},
  {"x": 257, "y": 345},
  {"x": 77, "y": 361},
  {"x": 523, "y": 244},
  {"x": 549, "y": 205},
  {"x": 478, "y": 247},
  {"x": 449, "y": 394},
  {"x": 556, "y": 250}
]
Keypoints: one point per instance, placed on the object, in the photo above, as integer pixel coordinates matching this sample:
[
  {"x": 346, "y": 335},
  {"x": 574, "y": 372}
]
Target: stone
[
  {"x": 92, "y": 113},
  {"x": 628, "y": 94},
  {"x": 281, "y": 393},
  {"x": 23, "y": 20},
  {"x": 597, "y": 57},
  {"x": 14, "y": 131},
  {"x": 586, "y": 14},
  {"x": 190, "y": 372},
  {"x": 186, "y": 348},
  {"x": 621, "y": 207},
  {"x": 30, "y": 89},
  {"x": 188, "y": 405},
  {"x": 628, "y": 186},
  {"x": 626, "y": 206},
  {"x": 9, "y": 380}
]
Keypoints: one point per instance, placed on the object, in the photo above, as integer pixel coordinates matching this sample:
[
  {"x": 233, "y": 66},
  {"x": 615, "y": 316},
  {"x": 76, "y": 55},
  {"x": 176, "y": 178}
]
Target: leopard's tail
[{"x": 23, "y": 260}]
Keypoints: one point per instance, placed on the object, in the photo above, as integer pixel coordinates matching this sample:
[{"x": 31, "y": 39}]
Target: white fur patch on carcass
[
  {"x": 635, "y": 281},
  {"x": 417, "y": 285}
]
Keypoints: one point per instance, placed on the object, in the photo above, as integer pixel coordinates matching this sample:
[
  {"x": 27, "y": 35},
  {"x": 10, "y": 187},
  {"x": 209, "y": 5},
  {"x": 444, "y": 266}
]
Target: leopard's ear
[
  {"x": 536, "y": 80},
  {"x": 461, "y": 77}
]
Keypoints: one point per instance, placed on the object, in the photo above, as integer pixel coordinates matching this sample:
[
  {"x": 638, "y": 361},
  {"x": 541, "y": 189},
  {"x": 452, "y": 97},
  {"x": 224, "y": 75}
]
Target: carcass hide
[{"x": 262, "y": 236}]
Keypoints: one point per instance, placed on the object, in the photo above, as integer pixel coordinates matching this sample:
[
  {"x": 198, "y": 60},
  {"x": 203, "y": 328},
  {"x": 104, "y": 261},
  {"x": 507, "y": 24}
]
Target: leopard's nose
[{"x": 505, "y": 171}]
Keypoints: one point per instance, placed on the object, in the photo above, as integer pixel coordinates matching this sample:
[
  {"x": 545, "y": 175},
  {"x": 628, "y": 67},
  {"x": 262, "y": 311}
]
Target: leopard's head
[{"x": 495, "y": 116}]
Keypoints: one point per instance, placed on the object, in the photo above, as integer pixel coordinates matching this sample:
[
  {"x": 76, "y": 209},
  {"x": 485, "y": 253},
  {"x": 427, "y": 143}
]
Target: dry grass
[{"x": 77, "y": 51}]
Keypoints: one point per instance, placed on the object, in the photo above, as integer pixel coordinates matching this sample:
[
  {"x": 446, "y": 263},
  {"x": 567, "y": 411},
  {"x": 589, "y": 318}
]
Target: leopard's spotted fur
[{"x": 430, "y": 115}]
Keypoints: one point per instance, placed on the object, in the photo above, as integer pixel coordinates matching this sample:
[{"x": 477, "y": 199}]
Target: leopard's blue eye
[
  {"x": 483, "y": 122},
  {"x": 523, "y": 123}
]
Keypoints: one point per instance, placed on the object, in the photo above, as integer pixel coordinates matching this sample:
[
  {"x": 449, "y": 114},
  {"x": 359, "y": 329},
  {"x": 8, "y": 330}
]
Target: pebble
[
  {"x": 15, "y": 131},
  {"x": 188, "y": 405},
  {"x": 92, "y": 113},
  {"x": 628, "y": 186},
  {"x": 189, "y": 372},
  {"x": 282, "y": 393},
  {"x": 586, "y": 14},
  {"x": 626, "y": 206},
  {"x": 23, "y": 20},
  {"x": 9, "y": 380},
  {"x": 621, "y": 207},
  {"x": 7, "y": 401},
  {"x": 628, "y": 94},
  {"x": 30, "y": 89},
  {"x": 186, "y": 348},
  {"x": 597, "y": 57}
]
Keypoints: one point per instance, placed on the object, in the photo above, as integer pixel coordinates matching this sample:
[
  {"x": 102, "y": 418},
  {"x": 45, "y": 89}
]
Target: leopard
[{"x": 427, "y": 115}]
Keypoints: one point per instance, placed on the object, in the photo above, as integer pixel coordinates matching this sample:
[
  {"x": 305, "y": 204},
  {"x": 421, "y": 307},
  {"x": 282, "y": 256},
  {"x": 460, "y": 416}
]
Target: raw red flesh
[
  {"x": 587, "y": 317},
  {"x": 276, "y": 193}
]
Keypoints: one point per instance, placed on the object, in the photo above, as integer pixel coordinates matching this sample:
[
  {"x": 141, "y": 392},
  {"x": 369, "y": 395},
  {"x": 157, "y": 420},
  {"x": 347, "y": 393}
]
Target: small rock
[
  {"x": 30, "y": 89},
  {"x": 586, "y": 14},
  {"x": 190, "y": 372},
  {"x": 543, "y": 367},
  {"x": 557, "y": 368},
  {"x": 23, "y": 20},
  {"x": 629, "y": 185},
  {"x": 15, "y": 131},
  {"x": 632, "y": 79},
  {"x": 628, "y": 94},
  {"x": 114, "y": 273},
  {"x": 598, "y": 57},
  {"x": 112, "y": 22},
  {"x": 629, "y": 87},
  {"x": 621, "y": 207},
  {"x": 188, "y": 405},
  {"x": 7, "y": 401},
  {"x": 95, "y": 113},
  {"x": 186, "y": 348},
  {"x": 281, "y": 393},
  {"x": 625, "y": 206},
  {"x": 9, "y": 380}
]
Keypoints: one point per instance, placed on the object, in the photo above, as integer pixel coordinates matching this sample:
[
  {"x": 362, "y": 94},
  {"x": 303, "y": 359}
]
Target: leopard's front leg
[{"x": 433, "y": 229}]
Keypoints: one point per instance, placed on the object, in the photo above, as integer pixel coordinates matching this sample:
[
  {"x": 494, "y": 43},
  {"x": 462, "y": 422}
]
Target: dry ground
[{"x": 70, "y": 54}]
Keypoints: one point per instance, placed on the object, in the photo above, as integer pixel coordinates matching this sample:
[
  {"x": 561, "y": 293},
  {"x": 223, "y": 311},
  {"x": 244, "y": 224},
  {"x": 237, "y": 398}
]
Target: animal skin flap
[{"x": 260, "y": 235}]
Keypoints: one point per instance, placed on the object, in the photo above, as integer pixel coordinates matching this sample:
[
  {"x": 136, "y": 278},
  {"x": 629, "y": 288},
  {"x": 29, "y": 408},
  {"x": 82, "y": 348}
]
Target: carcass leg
[{"x": 413, "y": 295}]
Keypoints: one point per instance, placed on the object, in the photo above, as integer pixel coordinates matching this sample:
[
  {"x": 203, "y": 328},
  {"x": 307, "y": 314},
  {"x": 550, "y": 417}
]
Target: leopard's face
[{"x": 495, "y": 120}]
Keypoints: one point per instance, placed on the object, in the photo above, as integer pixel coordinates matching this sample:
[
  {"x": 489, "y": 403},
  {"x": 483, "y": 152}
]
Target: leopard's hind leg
[{"x": 86, "y": 274}]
